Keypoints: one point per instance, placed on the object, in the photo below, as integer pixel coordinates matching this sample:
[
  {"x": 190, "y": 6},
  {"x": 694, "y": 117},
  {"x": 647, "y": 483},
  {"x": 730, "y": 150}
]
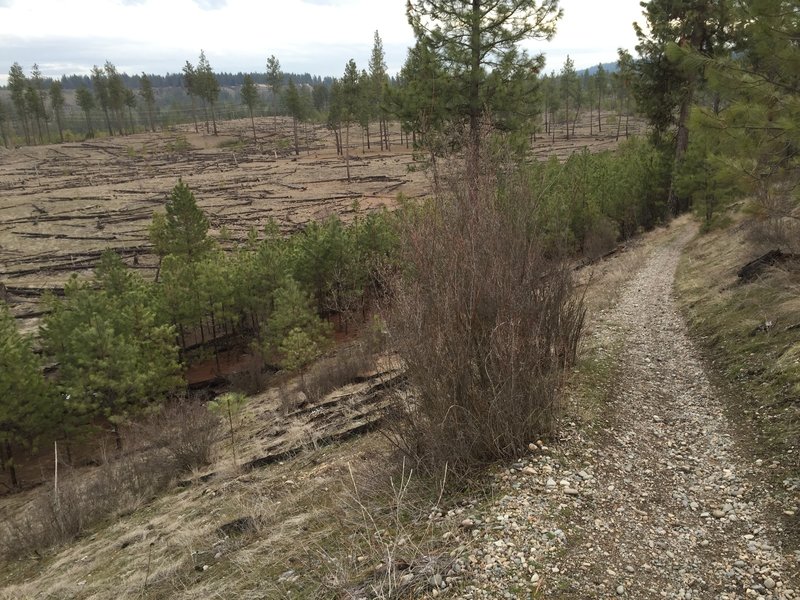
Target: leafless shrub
[
  {"x": 329, "y": 374},
  {"x": 251, "y": 380},
  {"x": 186, "y": 430},
  {"x": 486, "y": 323},
  {"x": 176, "y": 439},
  {"x": 57, "y": 515}
]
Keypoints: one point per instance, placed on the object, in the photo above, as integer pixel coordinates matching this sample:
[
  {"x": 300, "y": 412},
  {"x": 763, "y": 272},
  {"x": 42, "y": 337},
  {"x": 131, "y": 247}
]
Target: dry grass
[{"x": 750, "y": 332}]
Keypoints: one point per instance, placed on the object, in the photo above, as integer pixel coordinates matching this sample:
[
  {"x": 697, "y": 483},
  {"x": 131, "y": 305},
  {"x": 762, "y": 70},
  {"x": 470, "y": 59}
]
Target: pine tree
[
  {"x": 350, "y": 105},
  {"x": 100, "y": 85},
  {"x": 275, "y": 81},
  {"x": 27, "y": 408},
  {"x": 208, "y": 86},
  {"x": 473, "y": 37},
  {"x": 569, "y": 84},
  {"x": 147, "y": 95},
  {"x": 116, "y": 95},
  {"x": 379, "y": 82},
  {"x": 249, "y": 93},
  {"x": 190, "y": 85},
  {"x": 183, "y": 230},
  {"x": 296, "y": 107},
  {"x": 116, "y": 359},
  {"x": 18, "y": 84},
  {"x": 86, "y": 102},
  {"x": 664, "y": 90},
  {"x": 40, "y": 110},
  {"x": 57, "y": 104}
]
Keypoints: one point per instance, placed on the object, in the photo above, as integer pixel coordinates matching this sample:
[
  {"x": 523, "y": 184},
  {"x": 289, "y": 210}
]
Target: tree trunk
[
  {"x": 213, "y": 118},
  {"x": 681, "y": 144},
  {"x": 117, "y": 438},
  {"x": 60, "y": 128},
  {"x": 473, "y": 152},
  {"x": 347, "y": 151},
  {"x": 194, "y": 114},
  {"x": 108, "y": 122},
  {"x": 296, "y": 137},
  {"x": 8, "y": 461},
  {"x": 368, "y": 144},
  {"x": 253, "y": 123}
]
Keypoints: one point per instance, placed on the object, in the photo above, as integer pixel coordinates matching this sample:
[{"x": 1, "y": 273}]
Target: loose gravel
[{"x": 662, "y": 504}]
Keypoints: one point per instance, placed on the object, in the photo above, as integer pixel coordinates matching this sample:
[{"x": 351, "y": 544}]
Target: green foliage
[
  {"x": 27, "y": 406},
  {"x": 589, "y": 202},
  {"x": 294, "y": 312},
  {"x": 116, "y": 359},
  {"x": 478, "y": 44},
  {"x": 183, "y": 230},
  {"x": 229, "y": 407}
]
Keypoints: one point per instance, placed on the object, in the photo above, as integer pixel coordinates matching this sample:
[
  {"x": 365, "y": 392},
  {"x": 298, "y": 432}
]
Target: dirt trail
[{"x": 663, "y": 504}]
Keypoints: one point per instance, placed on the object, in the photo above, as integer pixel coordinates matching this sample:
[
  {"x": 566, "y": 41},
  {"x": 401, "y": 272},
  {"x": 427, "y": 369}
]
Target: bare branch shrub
[
  {"x": 83, "y": 499},
  {"x": 486, "y": 323},
  {"x": 186, "y": 430},
  {"x": 176, "y": 439}
]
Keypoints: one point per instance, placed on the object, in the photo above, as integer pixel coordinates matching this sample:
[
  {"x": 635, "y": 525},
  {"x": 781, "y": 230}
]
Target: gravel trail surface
[{"x": 662, "y": 504}]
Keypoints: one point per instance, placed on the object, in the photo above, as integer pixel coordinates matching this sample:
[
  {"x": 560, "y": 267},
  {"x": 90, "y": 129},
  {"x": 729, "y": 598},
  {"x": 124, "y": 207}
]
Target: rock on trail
[{"x": 664, "y": 504}]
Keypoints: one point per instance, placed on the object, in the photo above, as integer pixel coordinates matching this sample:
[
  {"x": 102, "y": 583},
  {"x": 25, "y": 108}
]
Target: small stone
[
  {"x": 218, "y": 555},
  {"x": 436, "y": 580},
  {"x": 630, "y": 569},
  {"x": 769, "y": 583},
  {"x": 717, "y": 513},
  {"x": 406, "y": 579},
  {"x": 620, "y": 590},
  {"x": 467, "y": 524},
  {"x": 571, "y": 491}
]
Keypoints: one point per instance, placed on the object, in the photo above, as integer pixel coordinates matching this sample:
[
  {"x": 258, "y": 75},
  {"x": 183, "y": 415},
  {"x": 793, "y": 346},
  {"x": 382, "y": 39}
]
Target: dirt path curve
[{"x": 663, "y": 504}]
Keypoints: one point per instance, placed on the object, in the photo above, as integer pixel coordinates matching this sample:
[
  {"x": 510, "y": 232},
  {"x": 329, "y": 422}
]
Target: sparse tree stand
[
  {"x": 275, "y": 81},
  {"x": 249, "y": 93},
  {"x": 476, "y": 37}
]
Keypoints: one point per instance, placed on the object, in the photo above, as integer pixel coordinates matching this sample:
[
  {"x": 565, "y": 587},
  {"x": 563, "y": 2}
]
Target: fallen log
[{"x": 754, "y": 268}]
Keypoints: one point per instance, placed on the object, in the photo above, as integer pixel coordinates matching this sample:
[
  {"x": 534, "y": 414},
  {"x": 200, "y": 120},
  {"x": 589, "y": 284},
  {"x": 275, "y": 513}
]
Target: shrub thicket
[{"x": 486, "y": 320}]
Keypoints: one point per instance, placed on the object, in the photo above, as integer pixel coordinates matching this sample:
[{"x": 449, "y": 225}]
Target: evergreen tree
[
  {"x": 115, "y": 357},
  {"x": 207, "y": 86},
  {"x": 130, "y": 104},
  {"x": 275, "y": 81},
  {"x": 57, "y": 104},
  {"x": 18, "y": 84},
  {"x": 569, "y": 85},
  {"x": 191, "y": 86},
  {"x": 100, "y": 85},
  {"x": 664, "y": 90},
  {"x": 183, "y": 230},
  {"x": 474, "y": 37},
  {"x": 86, "y": 102},
  {"x": 27, "y": 409},
  {"x": 36, "y": 82},
  {"x": 147, "y": 95},
  {"x": 249, "y": 93},
  {"x": 296, "y": 107},
  {"x": 117, "y": 95},
  {"x": 378, "y": 83},
  {"x": 350, "y": 104}
]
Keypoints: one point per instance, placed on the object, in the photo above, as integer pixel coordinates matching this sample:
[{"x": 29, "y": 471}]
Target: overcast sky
[{"x": 314, "y": 36}]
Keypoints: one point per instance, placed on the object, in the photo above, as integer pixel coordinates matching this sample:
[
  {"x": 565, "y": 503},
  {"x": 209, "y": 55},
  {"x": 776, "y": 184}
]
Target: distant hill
[{"x": 610, "y": 67}]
